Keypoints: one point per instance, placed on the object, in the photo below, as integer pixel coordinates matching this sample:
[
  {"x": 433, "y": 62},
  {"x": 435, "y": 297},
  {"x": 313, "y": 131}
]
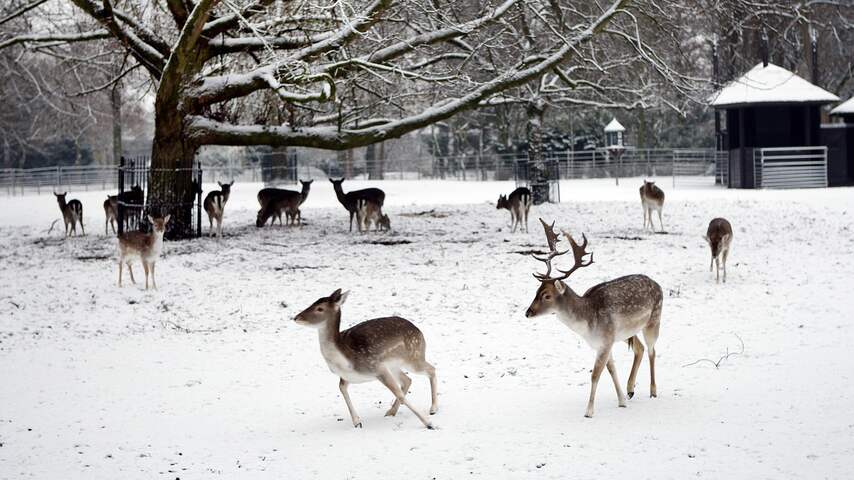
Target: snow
[
  {"x": 844, "y": 108},
  {"x": 209, "y": 376},
  {"x": 615, "y": 126},
  {"x": 771, "y": 84}
]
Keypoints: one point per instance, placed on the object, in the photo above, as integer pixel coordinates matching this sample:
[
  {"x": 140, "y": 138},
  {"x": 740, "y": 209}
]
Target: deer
[
  {"x": 367, "y": 213},
  {"x": 607, "y": 313},
  {"x": 145, "y": 247},
  {"x": 652, "y": 199},
  {"x": 377, "y": 349},
  {"x": 349, "y": 199},
  {"x": 72, "y": 213},
  {"x": 215, "y": 206},
  {"x": 274, "y": 201},
  {"x": 111, "y": 206},
  {"x": 384, "y": 223},
  {"x": 719, "y": 237},
  {"x": 132, "y": 201},
  {"x": 519, "y": 204}
]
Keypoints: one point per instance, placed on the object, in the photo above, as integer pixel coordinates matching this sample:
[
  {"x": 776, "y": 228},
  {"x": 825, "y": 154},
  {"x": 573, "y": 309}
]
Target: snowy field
[{"x": 209, "y": 377}]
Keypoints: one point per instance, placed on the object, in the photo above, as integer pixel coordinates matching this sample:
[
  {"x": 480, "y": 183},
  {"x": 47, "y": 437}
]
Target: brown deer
[
  {"x": 652, "y": 199},
  {"x": 384, "y": 223},
  {"x": 111, "y": 206},
  {"x": 349, "y": 200},
  {"x": 132, "y": 202},
  {"x": 367, "y": 213},
  {"x": 145, "y": 247},
  {"x": 275, "y": 201},
  {"x": 519, "y": 203},
  {"x": 719, "y": 237},
  {"x": 72, "y": 213},
  {"x": 607, "y": 313},
  {"x": 215, "y": 206},
  {"x": 377, "y": 349}
]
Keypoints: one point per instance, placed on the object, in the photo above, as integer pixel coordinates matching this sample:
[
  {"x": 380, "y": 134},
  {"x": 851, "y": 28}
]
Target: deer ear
[
  {"x": 560, "y": 287},
  {"x": 343, "y": 297},
  {"x": 706, "y": 238},
  {"x": 150, "y": 219},
  {"x": 166, "y": 219},
  {"x": 219, "y": 183}
]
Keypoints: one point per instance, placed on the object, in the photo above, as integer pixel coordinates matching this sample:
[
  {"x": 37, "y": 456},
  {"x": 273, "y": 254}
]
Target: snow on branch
[{"x": 59, "y": 37}]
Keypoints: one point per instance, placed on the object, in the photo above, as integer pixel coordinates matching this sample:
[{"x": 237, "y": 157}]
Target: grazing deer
[
  {"x": 72, "y": 213},
  {"x": 519, "y": 203},
  {"x": 652, "y": 198},
  {"x": 145, "y": 247},
  {"x": 719, "y": 237},
  {"x": 377, "y": 349},
  {"x": 367, "y": 213},
  {"x": 274, "y": 201},
  {"x": 215, "y": 206},
  {"x": 111, "y": 211},
  {"x": 385, "y": 223},
  {"x": 349, "y": 200},
  {"x": 607, "y": 313},
  {"x": 132, "y": 202}
]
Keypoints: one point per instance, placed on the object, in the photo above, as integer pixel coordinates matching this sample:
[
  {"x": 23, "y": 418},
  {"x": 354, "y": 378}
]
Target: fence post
[
  {"x": 673, "y": 168},
  {"x": 199, "y": 201},
  {"x": 120, "y": 209}
]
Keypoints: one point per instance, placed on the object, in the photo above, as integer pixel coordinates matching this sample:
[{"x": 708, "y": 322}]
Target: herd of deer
[{"x": 380, "y": 349}]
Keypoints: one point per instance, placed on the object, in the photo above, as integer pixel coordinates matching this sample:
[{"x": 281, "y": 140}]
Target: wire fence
[{"x": 685, "y": 166}]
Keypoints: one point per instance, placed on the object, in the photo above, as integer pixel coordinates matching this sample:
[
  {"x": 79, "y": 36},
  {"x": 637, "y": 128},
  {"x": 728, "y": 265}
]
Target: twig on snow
[
  {"x": 724, "y": 357},
  {"x": 51, "y": 226}
]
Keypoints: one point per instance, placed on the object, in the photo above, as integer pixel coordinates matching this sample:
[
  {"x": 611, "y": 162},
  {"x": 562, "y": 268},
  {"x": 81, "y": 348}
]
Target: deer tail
[{"x": 631, "y": 342}]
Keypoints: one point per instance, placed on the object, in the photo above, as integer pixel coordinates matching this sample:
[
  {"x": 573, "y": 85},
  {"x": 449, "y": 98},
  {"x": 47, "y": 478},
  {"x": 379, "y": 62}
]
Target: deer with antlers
[{"x": 607, "y": 313}]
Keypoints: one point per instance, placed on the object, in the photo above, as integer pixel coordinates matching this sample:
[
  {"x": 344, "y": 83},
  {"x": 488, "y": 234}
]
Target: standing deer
[
  {"x": 385, "y": 223},
  {"x": 145, "y": 247},
  {"x": 111, "y": 211},
  {"x": 652, "y": 198},
  {"x": 349, "y": 200},
  {"x": 132, "y": 202},
  {"x": 376, "y": 349},
  {"x": 215, "y": 206},
  {"x": 519, "y": 203},
  {"x": 607, "y": 313},
  {"x": 719, "y": 237},
  {"x": 275, "y": 201},
  {"x": 72, "y": 213},
  {"x": 367, "y": 213}
]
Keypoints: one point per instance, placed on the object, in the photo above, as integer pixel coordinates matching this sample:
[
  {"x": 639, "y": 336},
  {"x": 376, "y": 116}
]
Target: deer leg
[
  {"x": 638, "y": 349},
  {"x": 113, "y": 225},
  {"x": 621, "y": 398},
  {"x": 712, "y": 265},
  {"x": 153, "y": 281},
  {"x": 405, "y": 383},
  {"x": 120, "y": 273},
  {"x": 145, "y": 268},
  {"x": 388, "y": 380},
  {"x": 725, "y": 255},
  {"x": 660, "y": 221},
  {"x": 130, "y": 270},
  {"x": 351, "y": 221},
  {"x": 601, "y": 360},
  {"x": 424, "y": 368},
  {"x": 342, "y": 385},
  {"x": 82, "y": 228},
  {"x": 650, "y": 336},
  {"x": 513, "y": 220},
  {"x": 210, "y": 221},
  {"x": 718, "y": 269},
  {"x": 219, "y": 227}
]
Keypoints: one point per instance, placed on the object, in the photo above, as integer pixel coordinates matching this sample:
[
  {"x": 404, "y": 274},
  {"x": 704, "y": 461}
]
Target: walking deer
[
  {"x": 275, "y": 201},
  {"x": 349, "y": 200},
  {"x": 215, "y": 206},
  {"x": 111, "y": 205},
  {"x": 377, "y": 349},
  {"x": 652, "y": 199},
  {"x": 72, "y": 213},
  {"x": 719, "y": 237},
  {"x": 607, "y": 313},
  {"x": 519, "y": 203},
  {"x": 145, "y": 247}
]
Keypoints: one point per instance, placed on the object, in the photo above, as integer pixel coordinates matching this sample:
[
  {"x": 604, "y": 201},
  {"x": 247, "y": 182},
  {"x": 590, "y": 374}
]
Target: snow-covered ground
[{"x": 210, "y": 377}]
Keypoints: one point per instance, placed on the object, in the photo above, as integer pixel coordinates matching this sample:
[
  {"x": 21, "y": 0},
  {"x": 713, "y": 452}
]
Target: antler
[{"x": 578, "y": 251}]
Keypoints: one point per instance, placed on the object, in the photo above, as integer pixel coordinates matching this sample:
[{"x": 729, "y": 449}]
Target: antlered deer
[
  {"x": 519, "y": 203},
  {"x": 377, "y": 349},
  {"x": 607, "y": 313},
  {"x": 652, "y": 199},
  {"x": 111, "y": 205},
  {"x": 275, "y": 201},
  {"x": 349, "y": 200},
  {"x": 72, "y": 213},
  {"x": 719, "y": 237},
  {"x": 215, "y": 206},
  {"x": 145, "y": 247}
]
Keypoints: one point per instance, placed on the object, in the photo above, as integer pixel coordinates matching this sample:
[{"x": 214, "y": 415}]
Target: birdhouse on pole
[{"x": 614, "y": 135}]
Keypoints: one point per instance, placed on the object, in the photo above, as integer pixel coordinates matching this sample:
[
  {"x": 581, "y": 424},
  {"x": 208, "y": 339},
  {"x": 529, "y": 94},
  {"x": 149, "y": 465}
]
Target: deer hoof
[
  {"x": 630, "y": 394},
  {"x": 357, "y": 425},
  {"x": 391, "y": 412},
  {"x": 430, "y": 426},
  {"x": 434, "y": 410}
]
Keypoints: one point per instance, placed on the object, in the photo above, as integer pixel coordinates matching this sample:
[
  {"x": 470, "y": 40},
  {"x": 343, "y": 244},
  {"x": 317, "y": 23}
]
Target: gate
[{"x": 790, "y": 167}]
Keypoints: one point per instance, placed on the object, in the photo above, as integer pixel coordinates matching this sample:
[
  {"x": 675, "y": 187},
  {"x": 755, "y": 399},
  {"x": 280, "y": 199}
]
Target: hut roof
[
  {"x": 770, "y": 85},
  {"x": 844, "y": 108},
  {"x": 614, "y": 126}
]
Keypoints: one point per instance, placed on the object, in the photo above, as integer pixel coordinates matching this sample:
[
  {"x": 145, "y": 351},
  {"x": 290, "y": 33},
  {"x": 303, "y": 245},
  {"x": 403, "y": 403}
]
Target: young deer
[
  {"x": 652, "y": 198},
  {"x": 367, "y": 213},
  {"x": 111, "y": 205},
  {"x": 376, "y": 349},
  {"x": 607, "y": 313},
  {"x": 719, "y": 237},
  {"x": 519, "y": 203},
  {"x": 145, "y": 247},
  {"x": 349, "y": 200},
  {"x": 215, "y": 206},
  {"x": 384, "y": 223},
  {"x": 274, "y": 201},
  {"x": 72, "y": 213}
]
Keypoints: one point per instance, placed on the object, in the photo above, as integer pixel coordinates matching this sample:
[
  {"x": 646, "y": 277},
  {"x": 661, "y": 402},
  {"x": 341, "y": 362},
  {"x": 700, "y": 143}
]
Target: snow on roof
[
  {"x": 844, "y": 108},
  {"x": 615, "y": 126},
  {"x": 771, "y": 84}
]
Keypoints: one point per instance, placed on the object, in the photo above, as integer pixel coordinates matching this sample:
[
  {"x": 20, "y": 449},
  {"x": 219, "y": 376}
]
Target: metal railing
[{"x": 790, "y": 167}]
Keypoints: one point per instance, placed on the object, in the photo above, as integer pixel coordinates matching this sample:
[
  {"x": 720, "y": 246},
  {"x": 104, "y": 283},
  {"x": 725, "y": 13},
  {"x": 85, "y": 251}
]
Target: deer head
[
  {"x": 158, "y": 225},
  {"x": 502, "y": 202},
  {"x": 225, "y": 187},
  {"x": 322, "y": 310},
  {"x": 551, "y": 288}
]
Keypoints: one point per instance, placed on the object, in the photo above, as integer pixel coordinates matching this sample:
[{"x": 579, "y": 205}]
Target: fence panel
[{"x": 791, "y": 167}]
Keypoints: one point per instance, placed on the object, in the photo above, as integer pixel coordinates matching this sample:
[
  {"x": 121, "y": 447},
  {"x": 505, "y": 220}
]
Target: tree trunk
[
  {"x": 116, "y": 104},
  {"x": 371, "y": 162},
  {"x": 348, "y": 164},
  {"x": 170, "y": 178},
  {"x": 538, "y": 175}
]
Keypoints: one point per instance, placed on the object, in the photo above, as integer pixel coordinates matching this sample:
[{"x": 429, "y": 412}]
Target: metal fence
[
  {"x": 686, "y": 166},
  {"x": 790, "y": 167}
]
